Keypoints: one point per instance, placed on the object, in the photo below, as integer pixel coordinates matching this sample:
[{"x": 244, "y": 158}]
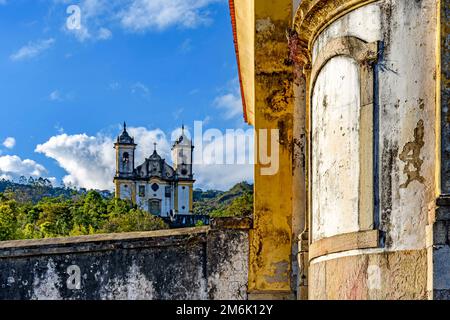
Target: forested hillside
[
  {"x": 238, "y": 201},
  {"x": 33, "y": 190},
  {"x": 34, "y": 209}
]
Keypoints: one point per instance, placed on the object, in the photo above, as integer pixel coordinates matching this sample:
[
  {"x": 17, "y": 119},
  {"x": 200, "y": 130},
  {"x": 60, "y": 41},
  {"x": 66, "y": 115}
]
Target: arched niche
[{"x": 342, "y": 147}]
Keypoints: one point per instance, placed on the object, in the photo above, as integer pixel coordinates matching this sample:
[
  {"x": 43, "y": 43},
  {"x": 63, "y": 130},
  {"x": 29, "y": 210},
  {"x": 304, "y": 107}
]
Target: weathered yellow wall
[{"x": 272, "y": 237}]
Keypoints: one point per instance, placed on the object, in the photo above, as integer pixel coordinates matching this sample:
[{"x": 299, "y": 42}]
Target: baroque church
[{"x": 155, "y": 186}]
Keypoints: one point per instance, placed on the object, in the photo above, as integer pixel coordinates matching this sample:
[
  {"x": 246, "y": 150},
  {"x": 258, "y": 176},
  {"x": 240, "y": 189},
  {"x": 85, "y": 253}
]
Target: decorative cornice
[
  {"x": 313, "y": 16},
  {"x": 369, "y": 239}
]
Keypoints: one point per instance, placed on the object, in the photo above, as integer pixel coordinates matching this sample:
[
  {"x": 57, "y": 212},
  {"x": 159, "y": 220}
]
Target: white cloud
[
  {"x": 90, "y": 160},
  {"x": 58, "y": 128},
  {"x": 145, "y": 139},
  {"x": 143, "y": 15},
  {"x": 177, "y": 113},
  {"x": 114, "y": 85},
  {"x": 137, "y": 16},
  {"x": 104, "y": 34},
  {"x": 222, "y": 177},
  {"x": 140, "y": 88},
  {"x": 6, "y": 176},
  {"x": 230, "y": 102},
  {"x": 186, "y": 46},
  {"x": 32, "y": 49},
  {"x": 93, "y": 14},
  {"x": 232, "y": 163},
  {"x": 58, "y": 96},
  {"x": 55, "y": 96},
  {"x": 9, "y": 143},
  {"x": 81, "y": 34},
  {"x": 207, "y": 120},
  {"x": 14, "y": 166}
]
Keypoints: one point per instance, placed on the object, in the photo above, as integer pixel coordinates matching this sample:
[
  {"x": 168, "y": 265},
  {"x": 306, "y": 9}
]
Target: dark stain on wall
[
  {"x": 411, "y": 156},
  {"x": 299, "y": 152},
  {"x": 388, "y": 170},
  {"x": 280, "y": 93}
]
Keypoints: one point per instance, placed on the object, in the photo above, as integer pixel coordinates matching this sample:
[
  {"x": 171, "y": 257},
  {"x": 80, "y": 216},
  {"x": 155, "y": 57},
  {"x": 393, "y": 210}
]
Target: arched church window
[{"x": 126, "y": 157}]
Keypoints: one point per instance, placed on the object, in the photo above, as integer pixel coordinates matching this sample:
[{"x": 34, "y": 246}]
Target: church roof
[
  {"x": 155, "y": 166},
  {"x": 125, "y": 138},
  {"x": 155, "y": 156}
]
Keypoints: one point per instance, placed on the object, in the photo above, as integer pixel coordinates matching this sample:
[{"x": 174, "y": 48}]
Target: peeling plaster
[
  {"x": 46, "y": 285},
  {"x": 134, "y": 287}
]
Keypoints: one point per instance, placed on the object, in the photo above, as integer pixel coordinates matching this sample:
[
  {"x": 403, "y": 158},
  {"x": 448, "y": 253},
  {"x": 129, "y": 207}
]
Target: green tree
[
  {"x": 23, "y": 217},
  {"x": 8, "y": 220},
  {"x": 134, "y": 220},
  {"x": 91, "y": 213},
  {"x": 55, "y": 218},
  {"x": 117, "y": 207},
  {"x": 240, "y": 207}
]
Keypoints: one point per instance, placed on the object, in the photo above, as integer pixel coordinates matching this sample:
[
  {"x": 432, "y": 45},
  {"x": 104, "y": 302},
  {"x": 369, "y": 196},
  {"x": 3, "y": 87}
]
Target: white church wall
[
  {"x": 160, "y": 194},
  {"x": 125, "y": 191},
  {"x": 183, "y": 199}
]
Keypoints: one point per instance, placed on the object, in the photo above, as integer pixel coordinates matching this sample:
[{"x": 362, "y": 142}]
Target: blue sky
[{"x": 154, "y": 63}]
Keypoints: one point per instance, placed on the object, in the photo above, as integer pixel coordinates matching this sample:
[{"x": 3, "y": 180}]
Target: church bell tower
[
  {"x": 125, "y": 150},
  {"x": 182, "y": 152}
]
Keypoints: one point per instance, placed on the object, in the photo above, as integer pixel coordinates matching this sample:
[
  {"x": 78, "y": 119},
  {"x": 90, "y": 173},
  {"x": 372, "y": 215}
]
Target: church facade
[{"x": 155, "y": 186}]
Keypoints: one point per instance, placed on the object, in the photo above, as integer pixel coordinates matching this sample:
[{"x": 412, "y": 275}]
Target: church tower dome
[{"x": 125, "y": 138}]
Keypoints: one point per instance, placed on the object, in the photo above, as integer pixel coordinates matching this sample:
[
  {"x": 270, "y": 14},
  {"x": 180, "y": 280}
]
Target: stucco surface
[
  {"x": 194, "y": 263},
  {"x": 389, "y": 275},
  {"x": 404, "y": 118}
]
